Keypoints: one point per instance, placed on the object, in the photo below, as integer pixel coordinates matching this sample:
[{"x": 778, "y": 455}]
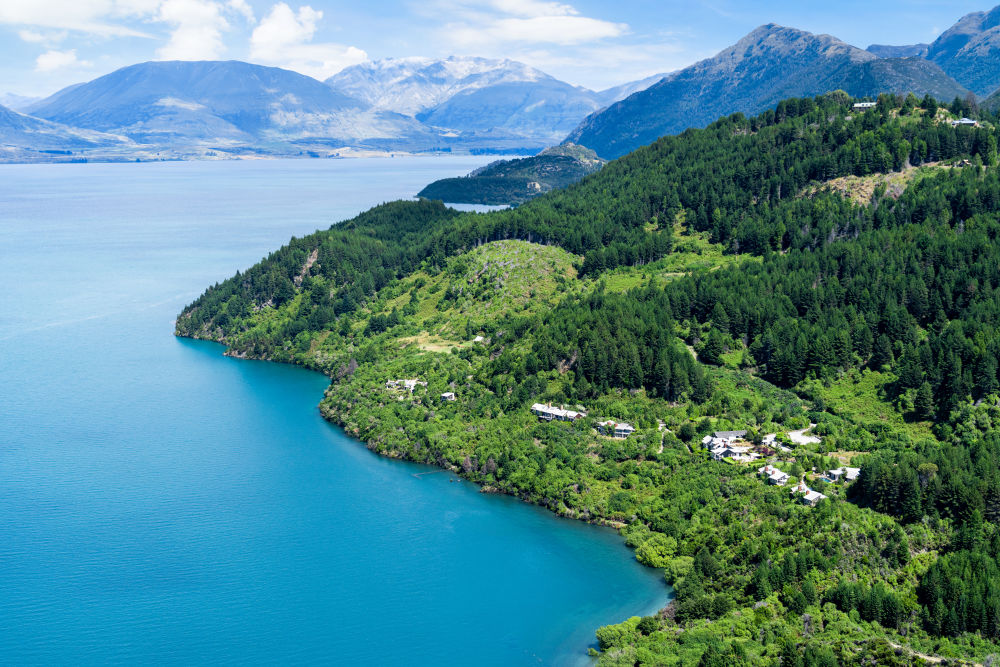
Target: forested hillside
[
  {"x": 717, "y": 280},
  {"x": 769, "y": 64},
  {"x": 513, "y": 182}
]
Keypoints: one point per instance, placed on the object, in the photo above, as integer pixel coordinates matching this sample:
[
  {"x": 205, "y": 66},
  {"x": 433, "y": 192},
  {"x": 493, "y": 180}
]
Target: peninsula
[{"x": 765, "y": 351}]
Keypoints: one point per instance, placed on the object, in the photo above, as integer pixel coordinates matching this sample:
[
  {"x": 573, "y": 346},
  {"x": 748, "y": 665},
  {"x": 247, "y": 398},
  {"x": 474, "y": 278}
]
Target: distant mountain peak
[
  {"x": 770, "y": 63},
  {"x": 414, "y": 85},
  {"x": 782, "y": 39}
]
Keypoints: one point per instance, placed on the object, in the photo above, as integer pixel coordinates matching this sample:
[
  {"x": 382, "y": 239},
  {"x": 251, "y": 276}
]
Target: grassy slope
[{"x": 693, "y": 251}]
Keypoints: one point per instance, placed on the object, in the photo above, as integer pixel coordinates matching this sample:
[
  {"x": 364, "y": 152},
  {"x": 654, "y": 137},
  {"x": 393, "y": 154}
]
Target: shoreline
[
  {"x": 210, "y": 155},
  {"x": 334, "y": 419}
]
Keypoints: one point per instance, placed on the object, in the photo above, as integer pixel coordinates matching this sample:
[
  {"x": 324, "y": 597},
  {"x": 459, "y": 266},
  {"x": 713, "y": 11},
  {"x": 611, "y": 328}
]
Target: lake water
[{"x": 163, "y": 504}]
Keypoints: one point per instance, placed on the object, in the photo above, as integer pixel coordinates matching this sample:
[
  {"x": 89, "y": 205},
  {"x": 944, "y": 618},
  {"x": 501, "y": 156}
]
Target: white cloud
[
  {"x": 562, "y": 30},
  {"x": 51, "y": 61},
  {"x": 90, "y": 16},
  {"x": 284, "y": 38},
  {"x": 533, "y": 8},
  {"x": 241, "y": 7},
  {"x": 197, "y": 29},
  {"x": 501, "y": 23}
]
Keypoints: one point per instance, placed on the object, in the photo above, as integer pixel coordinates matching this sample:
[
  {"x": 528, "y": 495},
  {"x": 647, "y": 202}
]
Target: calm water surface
[{"x": 160, "y": 503}]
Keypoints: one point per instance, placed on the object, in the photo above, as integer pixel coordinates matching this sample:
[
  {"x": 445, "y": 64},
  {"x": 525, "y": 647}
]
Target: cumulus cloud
[
  {"x": 197, "y": 29},
  {"x": 51, "y": 61},
  {"x": 284, "y": 38}
]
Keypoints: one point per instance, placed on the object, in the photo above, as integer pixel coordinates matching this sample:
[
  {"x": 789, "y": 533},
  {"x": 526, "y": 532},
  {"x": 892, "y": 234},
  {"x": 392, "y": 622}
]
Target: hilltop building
[
  {"x": 548, "y": 413},
  {"x": 843, "y": 474},
  {"x": 773, "y": 475},
  {"x": 614, "y": 429},
  {"x": 809, "y": 497},
  {"x": 408, "y": 385}
]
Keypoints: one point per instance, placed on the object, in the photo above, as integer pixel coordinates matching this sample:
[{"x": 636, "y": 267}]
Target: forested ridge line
[
  {"x": 903, "y": 288},
  {"x": 737, "y": 179}
]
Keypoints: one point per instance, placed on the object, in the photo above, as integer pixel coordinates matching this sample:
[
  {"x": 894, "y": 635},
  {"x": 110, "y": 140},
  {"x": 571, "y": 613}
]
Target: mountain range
[
  {"x": 22, "y": 135},
  {"x": 774, "y": 62},
  {"x": 478, "y": 95},
  {"x": 227, "y": 103},
  {"x": 969, "y": 51},
  {"x": 198, "y": 109},
  {"x": 183, "y": 109}
]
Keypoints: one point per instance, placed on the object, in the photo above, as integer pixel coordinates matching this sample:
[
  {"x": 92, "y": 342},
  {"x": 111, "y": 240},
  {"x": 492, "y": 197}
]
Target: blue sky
[{"x": 48, "y": 44}]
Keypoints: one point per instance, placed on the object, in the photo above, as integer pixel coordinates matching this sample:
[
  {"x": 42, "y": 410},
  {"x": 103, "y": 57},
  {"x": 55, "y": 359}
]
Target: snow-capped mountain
[
  {"x": 179, "y": 109},
  {"x": 219, "y": 102},
  {"x": 471, "y": 95},
  {"x": 414, "y": 85}
]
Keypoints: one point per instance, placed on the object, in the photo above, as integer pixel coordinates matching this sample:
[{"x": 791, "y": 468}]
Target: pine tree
[
  {"x": 711, "y": 351},
  {"x": 911, "y": 507},
  {"x": 809, "y": 591},
  {"x": 882, "y": 353},
  {"x": 923, "y": 404},
  {"x": 720, "y": 319}
]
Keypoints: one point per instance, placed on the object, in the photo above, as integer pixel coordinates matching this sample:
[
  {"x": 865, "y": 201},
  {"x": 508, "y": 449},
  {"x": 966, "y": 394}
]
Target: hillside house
[
  {"x": 864, "y": 105},
  {"x": 808, "y": 496},
  {"x": 449, "y": 396},
  {"x": 548, "y": 413},
  {"x": 619, "y": 430},
  {"x": 740, "y": 454},
  {"x": 964, "y": 122},
  {"x": 773, "y": 475},
  {"x": 722, "y": 439},
  {"x": 843, "y": 474},
  {"x": 408, "y": 385}
]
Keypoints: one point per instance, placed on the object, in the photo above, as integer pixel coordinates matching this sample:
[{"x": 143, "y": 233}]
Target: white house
[
  {"x": 619, "y": 430},
  {"x": 408, "y": 385},
  {"x": 548, "y": 413},
  {"x": 864, "y": 105},
  {"x": 966, "y": 122},
  {"x": 448, "y": 396},
  {"x": 721, "y": 439},
  {"x": 812, "y": 497},
  {"x": 843, "y": 474},
  {"x": 809, "y": 497},
  {"x": 773, "y": 475},
  {"x": 736, "y": 453}
]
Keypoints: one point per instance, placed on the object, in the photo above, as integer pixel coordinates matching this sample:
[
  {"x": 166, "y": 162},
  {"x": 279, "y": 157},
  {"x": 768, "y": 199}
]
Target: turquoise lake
[{"x": 163, "y": 504}]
